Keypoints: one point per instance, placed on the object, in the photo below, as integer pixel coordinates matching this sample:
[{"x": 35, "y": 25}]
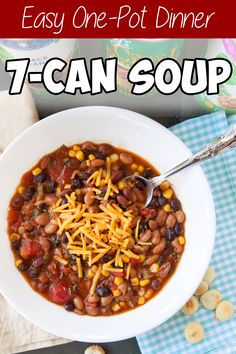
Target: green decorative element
[
  {"x": 4, "y": 55},
  {"x": 232, "y": 80}
]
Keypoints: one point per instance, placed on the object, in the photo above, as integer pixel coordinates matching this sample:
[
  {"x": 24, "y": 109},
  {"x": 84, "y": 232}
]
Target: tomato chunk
[
  {"x": 60, "y": 293},
  {"x": 29, "y": 249}
]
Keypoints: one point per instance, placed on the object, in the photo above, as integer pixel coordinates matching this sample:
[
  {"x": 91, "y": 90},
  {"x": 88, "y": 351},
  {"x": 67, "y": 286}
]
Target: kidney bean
[
  {"x": 159, "y": 248},
  {"x": 127, "y": 193},
  {"x": 140, "y": 196},
  {"x": 44, "y": 162},
  {"x": 179, "y": 229},
  {"x": 164, "y": 270},
  {"x": 146, "y": 236},
  {"x": 170, "y": 221},
  {"x": 122, "y": 200},
  {"x": 170, "y": 234},
  {"x": 152, "y": 259},
  {"x": 83, "y": 166},
  {"x": 89, "y": 198},
  {"x": 127, "y": 159},
  {"x": 161, "y": 217},
  {"x": 79, "y": 198},
  {"x": 153, "y": 224},
  {"x": 163, "y": 231},
  {"x": 92, "y": 310},
  {"x": 117, "y": 176},
  {"x": 42, "y": 219},
  {"x": 177, "y": 246},
  {"x": 78, "y": 302},
  {"x": 155, "y": 284},
  {"x": 134, "y": 223},
  {"x": 180, "y": 216},
  {"x": 51, "y": 199},
  {"x": 156, "y": 237},
  {"x": 50, "y": 228},
  {"x": 106, "y": 149},
  {"x": 97, "y": 163},
  {"x": 17, "y": 201},
  {"x": 105, "y": 301}
]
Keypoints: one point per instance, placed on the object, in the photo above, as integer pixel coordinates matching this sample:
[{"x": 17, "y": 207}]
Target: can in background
[
  {"x": 39, "y": 51},
  {"x": 129, "y": 51},
  {"x": 226, "y": 99}
]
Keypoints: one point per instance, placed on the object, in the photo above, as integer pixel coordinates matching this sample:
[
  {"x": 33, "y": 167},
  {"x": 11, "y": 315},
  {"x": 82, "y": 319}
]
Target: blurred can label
[
  {"x": 39, "y": 51},
  {"x": 226, "y": 99},
  {"x": 129, "y": 51}
]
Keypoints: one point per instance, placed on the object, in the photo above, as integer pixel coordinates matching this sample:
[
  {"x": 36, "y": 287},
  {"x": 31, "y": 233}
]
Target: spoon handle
[{"x": 217, "y": 146}]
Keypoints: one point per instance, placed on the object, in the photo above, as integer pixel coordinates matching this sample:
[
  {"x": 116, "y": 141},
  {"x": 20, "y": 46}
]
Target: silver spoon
[{"x": 217, "y": 146}]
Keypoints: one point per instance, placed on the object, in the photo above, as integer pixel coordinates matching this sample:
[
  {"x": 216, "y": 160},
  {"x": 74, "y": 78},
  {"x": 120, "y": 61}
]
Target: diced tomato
[
  {"x": 118, "y": 274},
  {"x": 29, "y": 249},
  {"x": 148, "y": 213},
  {"x": 60, "y": 293},
  {"x": 13, "y": 216},
  {"x": 134, "y": 261},
  {"x": 67, "y": 270}
]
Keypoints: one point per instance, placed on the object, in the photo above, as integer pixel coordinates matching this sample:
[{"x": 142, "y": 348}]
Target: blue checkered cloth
[{"x": 220, "y": 337}]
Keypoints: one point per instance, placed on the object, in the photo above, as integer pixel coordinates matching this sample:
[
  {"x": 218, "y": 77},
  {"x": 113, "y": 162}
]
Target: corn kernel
[
  {"x": 122, "y": 304},
  {"x": 164, "y": 185},
  {"x": 88, "y": 163},
  {"x": 115, "y": 307},
  {"x": 140, "y": 169},
  {"x": 21, "y": 189},
  {"x": 90, "y": 274},
  {"x": 141, "y": 300},
  {"x": 141, "y": 258},
  {"x": 136, "y": 173},
  {"x": 134, "y": 166},
  {"x": 80, "y": 155},
  {"x": 148, "y": 294},
  {"x": 168, "y": 193},
  {"x": 105, "y": 273},
  {"x": 181, "y": 240},
  {"x": 114, "y": 157},
  {"x": 167, "y": 208},
  {"x": 125, "y": 258},
  {"x": 116, "y": 293},
  {"x": 18, "y": 262},
  {"x": 91, "y": 157},
  {"x": 76, "y": 148},
  {"x": 134, "y": 281},
  {"x": 36, "y": 171},
  {"x": 121, "y": 184},
  {"x": 72, "y": 153},
  {"x": 103, "y": 183},
  {"x": 144, "y": 282},
  {"x": 14, "y": 237},
  {"x": 75, "y": 268},
  {"x": 154, "y": 268},
  {"x": 118, "y": 280},
  {"x": 94, "y": 268}
]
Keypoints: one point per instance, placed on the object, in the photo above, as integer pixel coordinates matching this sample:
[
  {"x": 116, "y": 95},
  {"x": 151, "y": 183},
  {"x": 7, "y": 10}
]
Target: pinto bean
[
  {"x": 152, "y": 259},
  {"x": 146, "y": 236},
  {"x": 42, "y": 219},
  {"x": 127, "y": 193},
  {"x": 50, "y": 228},
  {"x": 163, "y": 231},
  {"x": 87, "y": 145},
  {"x": 92, "y": 310},
  {"x": 97, "y": 163},
  {"x": 28, "y": 226},
  {"x": 93, "y": 298},
  {"x": 164, "y": 270},
  {"x": 78, "y": 302},
  {"x": 180, "y": 216},
  {"x": 123, "y": 288},
  {"x": 122, "y": 200},
  {"x": 134, "y": 197},
  {"x": 51, "y": 199},
  {"x": 134, "y": 223},
  {"x": 159, "y": 247},
  {"x": 153, "y": 224},
  {"x": 89, "y": 198},
  {"x": 177, "y": 246},
  {"x": 127, "y": 159},
  {"x": 156, "y": 236},
  {"x": 170, "y": 221},
  {"x": 161, "y": 217},
  {"x": 139, "y": 194},
  {"x": 106, "y": 300},
  {"x": 117, "y": 176},
  {"x": 106, "y": 149}
]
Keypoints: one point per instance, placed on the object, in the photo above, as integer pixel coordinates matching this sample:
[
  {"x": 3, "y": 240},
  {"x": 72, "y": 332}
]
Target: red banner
[{"x": 123, "y": 19}]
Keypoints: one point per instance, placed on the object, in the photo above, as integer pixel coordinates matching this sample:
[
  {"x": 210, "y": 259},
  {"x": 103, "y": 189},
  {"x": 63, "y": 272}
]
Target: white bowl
[{"x": 163, "y": 149}]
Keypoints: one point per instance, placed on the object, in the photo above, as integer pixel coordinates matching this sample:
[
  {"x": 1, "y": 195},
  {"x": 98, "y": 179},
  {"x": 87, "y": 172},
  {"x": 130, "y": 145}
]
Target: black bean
[
  {"x": 16, "y": 245},
  {"x": 99, "y": 155},
  {"x": 103, "y": 192},
  {"x": 69, "y": 306},
  {"x": 147, "y": 173},
  {"x": 42, "y": 207},
  {"x": 178, "y": 229},
  {"x": 141, "y": 185},
  {"x": 23, "y": 267},
  {"x": 161, "y": 260},
  {"x": 29, "y": 193},
  {"x": 33, "y": 273},
  {"x": 175, "y": 204},
  {"x": 83, "y": 176},
  {"x": 170, "y": 234},
  {"x": 55, "y": 241},
  {"x": 162, "y": 201},
  {"x": 64, "y": 201},
  {"x": 153, "y": 203},
  {"x": 64, "y": 238},
  {"x": 106, "y": 258},
  {"x": 76, "y": 183},
  {"x": 40, "y": 178},
  {"x": 87, "y": 151},
  {"x": 17, "y": 201},
  {"x": 155, "y": 284},
  {"x": 50, "y": 187},
  {"x": 103, "y": 291},
  {"x": 143, "y": 224}
]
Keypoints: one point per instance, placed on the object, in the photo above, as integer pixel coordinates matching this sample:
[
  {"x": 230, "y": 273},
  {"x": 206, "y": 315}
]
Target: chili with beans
[{"x": 82, "y": 237}]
